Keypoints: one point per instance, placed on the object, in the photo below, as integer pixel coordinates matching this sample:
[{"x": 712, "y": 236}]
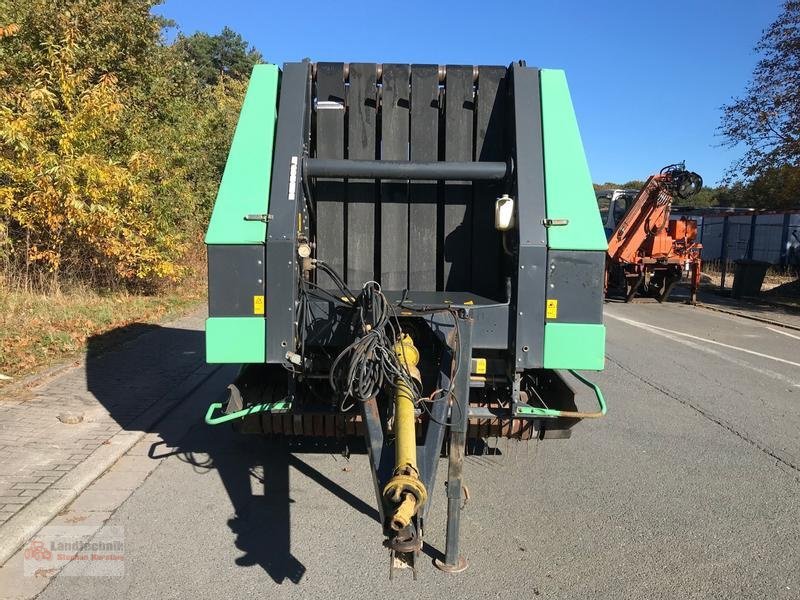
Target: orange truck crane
[{"x": 647, "y": 252}]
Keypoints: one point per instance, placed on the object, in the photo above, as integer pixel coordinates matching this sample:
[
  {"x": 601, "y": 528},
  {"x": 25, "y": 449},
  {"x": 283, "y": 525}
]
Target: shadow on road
[
  {"x": 262, "y": 520},
  {"x": 133, "y": 377}
]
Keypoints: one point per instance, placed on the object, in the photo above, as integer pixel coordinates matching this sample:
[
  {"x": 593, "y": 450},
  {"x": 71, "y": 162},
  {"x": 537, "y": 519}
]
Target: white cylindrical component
[
  {"x": 504, "y": 213},
  {"x": 304, "y": 250}
]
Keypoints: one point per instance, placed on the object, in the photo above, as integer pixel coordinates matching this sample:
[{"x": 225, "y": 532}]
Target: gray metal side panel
[
  {"x": 395, "y": 106},
  {"x": 290, "y": 139},
  {"x": 575, "y": 279},
  {"x": 362, "y": 115},
  {"x": 529, "y": 310},
  {"x": 529, "y": 159},
  {"x": 529, "y": 292},
  {"x": 235, "y": 275}
]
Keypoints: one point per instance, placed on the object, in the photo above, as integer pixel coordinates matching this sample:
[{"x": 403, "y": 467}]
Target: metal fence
[{"x": 773, "y": 237}]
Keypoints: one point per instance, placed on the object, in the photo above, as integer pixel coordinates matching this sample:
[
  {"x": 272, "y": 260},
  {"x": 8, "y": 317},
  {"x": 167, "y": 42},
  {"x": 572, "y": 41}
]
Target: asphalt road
[{"x": 689, "y": 488}]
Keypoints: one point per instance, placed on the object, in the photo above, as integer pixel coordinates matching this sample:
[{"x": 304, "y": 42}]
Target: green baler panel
[
  {"x": 245, "y": 183},
  {"x": 568, "y": 184},
  {"x": 238, "y": 340},
  {"x": 574, "y": 346}
]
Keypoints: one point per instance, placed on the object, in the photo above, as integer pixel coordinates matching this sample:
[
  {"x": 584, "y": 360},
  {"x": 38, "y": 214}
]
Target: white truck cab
[{"x": 613, "y": 205}]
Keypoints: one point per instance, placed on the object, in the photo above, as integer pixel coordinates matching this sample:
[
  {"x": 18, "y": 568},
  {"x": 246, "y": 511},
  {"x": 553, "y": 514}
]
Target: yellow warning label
[
  {"x": 258, "y": 305},
  {"x": 551, "y": 309},
  {"x": 479, "y": 366}
]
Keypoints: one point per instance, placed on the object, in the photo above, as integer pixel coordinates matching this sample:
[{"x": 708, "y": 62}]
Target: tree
[
  {"x": 707, "y": 196},
  {"x": 734, "y": 195},
  {"x": 225, "y": 54},
  {"x": 633, "y": 184},
  {"x": 70, "y": 191},
  {"x": 766, "y": 119},
  {"x": 111, "y": 148},
  {"x": 775, "y": 188}
]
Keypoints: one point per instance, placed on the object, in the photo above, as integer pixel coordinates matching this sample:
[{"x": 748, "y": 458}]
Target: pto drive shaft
[{"x": 405, "y": 493}]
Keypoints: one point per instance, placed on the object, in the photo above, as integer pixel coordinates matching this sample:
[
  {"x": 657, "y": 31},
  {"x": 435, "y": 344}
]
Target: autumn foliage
[{"x": 111, "y": 144}]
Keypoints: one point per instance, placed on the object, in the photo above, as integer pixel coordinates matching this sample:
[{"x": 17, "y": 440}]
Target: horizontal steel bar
[{"x": 404, "y": 169}]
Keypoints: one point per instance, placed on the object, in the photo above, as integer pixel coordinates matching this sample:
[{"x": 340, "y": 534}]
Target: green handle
[
  {"x": 281, "y": 406},
  {"x": 551, "y": 412},
  {"x": 597, "y": 393}
]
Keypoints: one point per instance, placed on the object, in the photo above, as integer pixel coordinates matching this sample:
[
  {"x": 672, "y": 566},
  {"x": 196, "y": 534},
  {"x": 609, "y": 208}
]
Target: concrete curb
[
  {"x": 746, "y": 316},
  {"x": 15, "y": 532}
]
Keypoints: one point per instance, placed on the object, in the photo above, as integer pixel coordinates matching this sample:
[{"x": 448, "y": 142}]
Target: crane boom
[{"x": 646, "y": 250}]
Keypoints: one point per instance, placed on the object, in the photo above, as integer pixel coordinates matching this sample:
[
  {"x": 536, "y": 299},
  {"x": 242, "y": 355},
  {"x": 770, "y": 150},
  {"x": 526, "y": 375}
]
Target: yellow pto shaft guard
[{"x": 405, "y": 493}]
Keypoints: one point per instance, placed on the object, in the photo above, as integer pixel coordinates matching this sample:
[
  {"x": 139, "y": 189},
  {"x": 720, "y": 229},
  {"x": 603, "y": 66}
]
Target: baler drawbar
[{"x": 411, "y": 257}]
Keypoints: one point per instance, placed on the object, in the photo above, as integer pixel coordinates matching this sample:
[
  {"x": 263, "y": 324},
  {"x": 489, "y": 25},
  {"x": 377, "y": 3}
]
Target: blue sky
[{"x": 647, "y": 78}]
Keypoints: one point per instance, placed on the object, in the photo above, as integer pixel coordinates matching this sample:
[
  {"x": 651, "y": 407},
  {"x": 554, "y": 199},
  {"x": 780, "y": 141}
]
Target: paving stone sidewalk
[{"x": 108, "y": 390}]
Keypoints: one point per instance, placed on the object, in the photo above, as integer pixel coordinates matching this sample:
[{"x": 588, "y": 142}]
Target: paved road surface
[{"x": 690, "y": 488}]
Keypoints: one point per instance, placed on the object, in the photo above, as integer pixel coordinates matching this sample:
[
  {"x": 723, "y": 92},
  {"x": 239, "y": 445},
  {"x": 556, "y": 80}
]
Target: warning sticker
[
  {"x": 258, "y": 305},
  {"x": 551, "y": 309}
]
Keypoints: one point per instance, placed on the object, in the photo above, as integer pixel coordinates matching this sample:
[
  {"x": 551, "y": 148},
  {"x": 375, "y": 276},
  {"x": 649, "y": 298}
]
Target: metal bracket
[
  {"x": 282, "y": 406},
  {"x": 264, "y": 218},
  {"x": 555, "y": 222},
  {"x": 328, "y": 105},
  {"x": 404, "y": 549},
  {"x": 403, "y": 560}
]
